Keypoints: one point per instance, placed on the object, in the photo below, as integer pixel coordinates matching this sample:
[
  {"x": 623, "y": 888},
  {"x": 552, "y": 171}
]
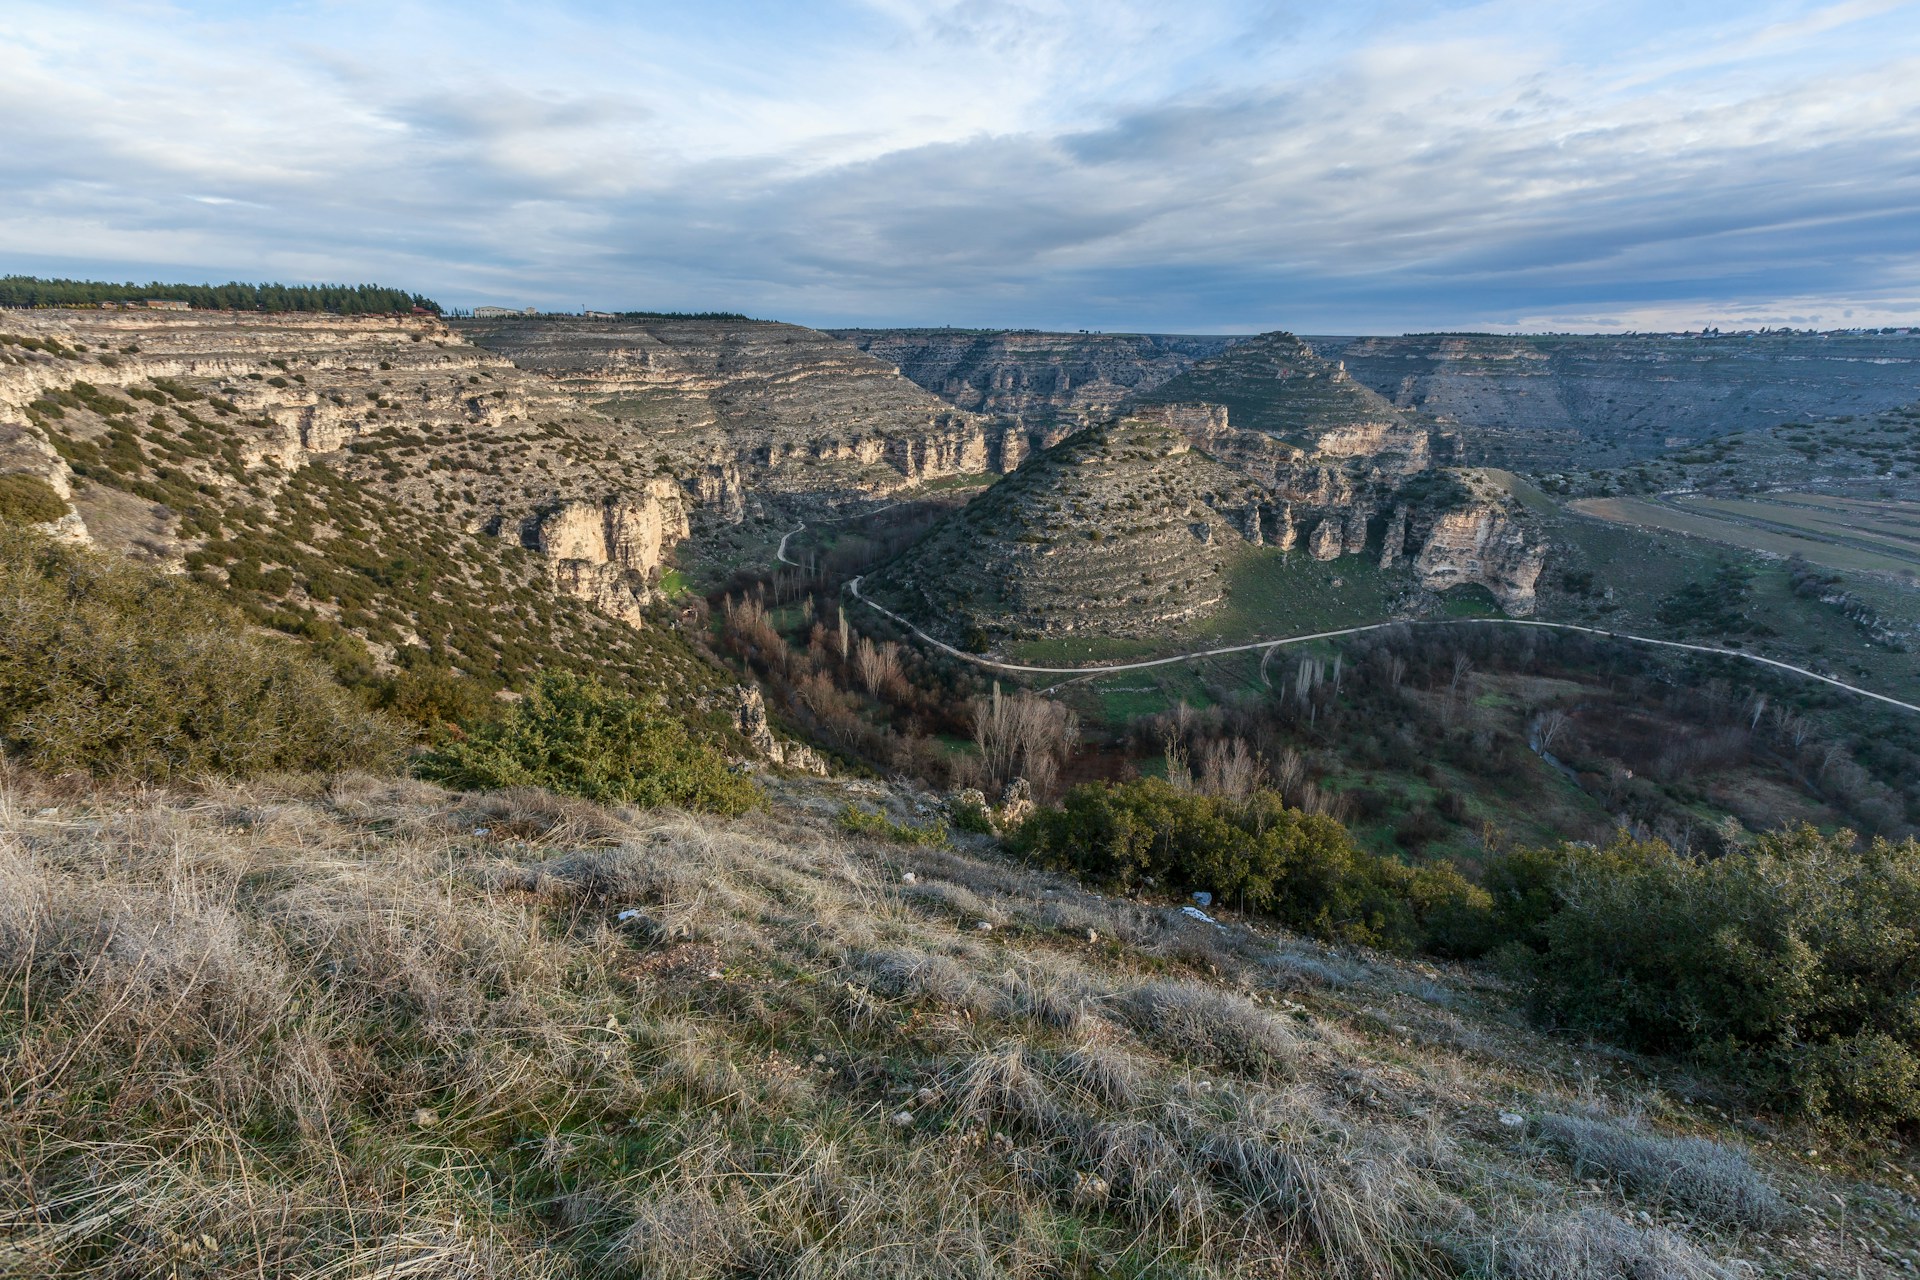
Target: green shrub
[
  {"x": 972, "y": 818},
  {"x": 117, "y": 669},
  {"x": 871, "y": 822},
  {"x": 1302, "y": 868},
  {"x": 433, "y": 697},
  {"x": 574, "y": 735},
  {"x": 26, "y": 499},
  {"x": 1790, "y": 964}
]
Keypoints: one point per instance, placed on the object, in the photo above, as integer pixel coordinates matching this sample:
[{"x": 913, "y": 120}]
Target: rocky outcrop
[
  {"x": 1328, "y": 539},
  {"x": 1393, "y": 543},
  {"x": 750, "y": 716},
  {"x": 1488, "y": 543},
  {"x": 610, "y": 553},
  {"x": 1286, "y": 534},
  {"x": 719, "y": 489},
  {"x": 1359, "y": 517}
]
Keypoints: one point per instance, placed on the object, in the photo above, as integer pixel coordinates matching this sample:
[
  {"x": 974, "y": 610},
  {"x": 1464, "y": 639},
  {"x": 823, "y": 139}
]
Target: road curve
[
  {"x": 977, "y": 660},
  {"x": 780, "y": 553}
]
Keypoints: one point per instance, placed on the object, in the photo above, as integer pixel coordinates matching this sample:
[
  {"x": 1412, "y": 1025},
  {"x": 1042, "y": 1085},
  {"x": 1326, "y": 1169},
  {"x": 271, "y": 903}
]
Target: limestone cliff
[
  {"x": 1575, "y": 401},
  {"x": 790, "y": 410},
  {"x": 611, "y": 553},
  {"x": 1487, "y": 543}
]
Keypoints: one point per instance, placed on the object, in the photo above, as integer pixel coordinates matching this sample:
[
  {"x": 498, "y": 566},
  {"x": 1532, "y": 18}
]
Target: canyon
[{"x": 1120, "y": 485}]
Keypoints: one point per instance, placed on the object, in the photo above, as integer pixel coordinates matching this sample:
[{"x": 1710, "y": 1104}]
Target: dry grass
[
  {"x": 1695, "y": 1175},
  {"x": 377, "y": 1029}
]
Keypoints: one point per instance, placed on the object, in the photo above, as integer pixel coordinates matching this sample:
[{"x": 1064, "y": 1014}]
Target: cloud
[{"x": 989, "y": 161}]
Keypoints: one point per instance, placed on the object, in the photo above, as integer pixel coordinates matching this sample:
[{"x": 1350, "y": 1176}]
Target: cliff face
[
  {"x": 371, "y": 477},
  {"x": 611, "y": 553},
  {"x": 1052, "y": 383},
  {"x": 1128, "y": 529},
  {"x": 1277, "y": 385},
  {"x": 1485, "y": 543},
  {"x": 1577, "y": 401},
  {"x": 792, "y": 411}
]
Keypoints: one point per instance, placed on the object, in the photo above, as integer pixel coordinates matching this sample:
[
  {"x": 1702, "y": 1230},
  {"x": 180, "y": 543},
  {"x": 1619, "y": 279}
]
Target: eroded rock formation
[
  {"x": 1488, "y": 544},
  {"x": 611, "y": 553}
]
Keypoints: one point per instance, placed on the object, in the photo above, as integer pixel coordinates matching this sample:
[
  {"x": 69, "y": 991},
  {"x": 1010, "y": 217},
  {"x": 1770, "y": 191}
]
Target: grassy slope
[{"x": 375, "y": 1027}]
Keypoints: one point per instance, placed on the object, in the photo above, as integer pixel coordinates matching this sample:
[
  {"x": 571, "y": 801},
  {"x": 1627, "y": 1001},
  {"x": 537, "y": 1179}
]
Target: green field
[
  {"x": 1273, "y": 593},
  {"x": 1646, "y": 564},
  {"x": 1839, "y": 533}
]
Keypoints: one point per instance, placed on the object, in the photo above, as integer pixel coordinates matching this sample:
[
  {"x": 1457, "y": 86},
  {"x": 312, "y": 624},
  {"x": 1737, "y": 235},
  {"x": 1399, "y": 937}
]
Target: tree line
[{"x": 339, "y": 299}]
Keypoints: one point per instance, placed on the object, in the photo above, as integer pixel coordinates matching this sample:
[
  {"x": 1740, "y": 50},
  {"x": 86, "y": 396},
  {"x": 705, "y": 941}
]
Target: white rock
[
  {"x": 985, "y": 926},
  {"x": 909, "y": 878},
  {"x": 1512, "y": 1121},
  {"x": 1195, "y": 913},
  {"x": 901, "y": 1119}
]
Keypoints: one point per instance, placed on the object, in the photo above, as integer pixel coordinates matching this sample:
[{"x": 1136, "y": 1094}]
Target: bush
[
  {"x": 1789, "y": 964},
  {"x": 574, "y": 735},
  {"x": 972, "y": 818},
  {"x": 1303, "y": 868},
  {"x": 871, "y": 822},
  {"x": 26, "y": 499},
  {"x": 116, "y": 669}
]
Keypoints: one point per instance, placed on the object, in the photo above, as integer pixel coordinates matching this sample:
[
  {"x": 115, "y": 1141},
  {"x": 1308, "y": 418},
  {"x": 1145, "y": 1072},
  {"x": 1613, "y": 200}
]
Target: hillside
[
  {"x": 1122, "y": 530},
  {"x": 795, "y": 409},
  {"x": 1278, "y": 384},
  {"x": 1053, "y": 383},
  {"x": 409, "y": 500},
  {"x": 1554, "y": 401},
  {"x": 1148, "y": 528},
  {"x": 372, "y": 1027}
]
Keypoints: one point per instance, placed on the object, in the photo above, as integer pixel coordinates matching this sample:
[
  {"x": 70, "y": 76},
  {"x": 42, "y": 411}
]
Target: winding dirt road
[{"x": 1106, "y": 669}]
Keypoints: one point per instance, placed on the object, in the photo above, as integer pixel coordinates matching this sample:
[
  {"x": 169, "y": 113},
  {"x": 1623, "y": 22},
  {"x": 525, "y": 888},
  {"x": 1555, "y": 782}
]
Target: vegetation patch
[
  {"x": 115, "y": 669},
  {"x": 26, "y": 499},
  {"x": 1787, "y": 964},
  {"x": 576, "y": 736}
]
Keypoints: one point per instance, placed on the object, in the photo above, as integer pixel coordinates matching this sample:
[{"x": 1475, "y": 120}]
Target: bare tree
[
  {"x": 1290, "y": 775},
  {"x": 1177, "y": 771},
  {"x": 1547, "y": 726},
  {"x": 1794, "y": 728},
  {"x": 1230, "y": 769},
  {"x": 1023, "y": 737},
  {"x": 878, "y": 665},
  {"x": 1462, "y": 668}
]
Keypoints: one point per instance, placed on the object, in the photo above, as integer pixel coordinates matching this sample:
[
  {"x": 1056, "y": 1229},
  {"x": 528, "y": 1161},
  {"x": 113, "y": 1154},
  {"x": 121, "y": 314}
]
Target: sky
[{"x": 1205, "y": 166}]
